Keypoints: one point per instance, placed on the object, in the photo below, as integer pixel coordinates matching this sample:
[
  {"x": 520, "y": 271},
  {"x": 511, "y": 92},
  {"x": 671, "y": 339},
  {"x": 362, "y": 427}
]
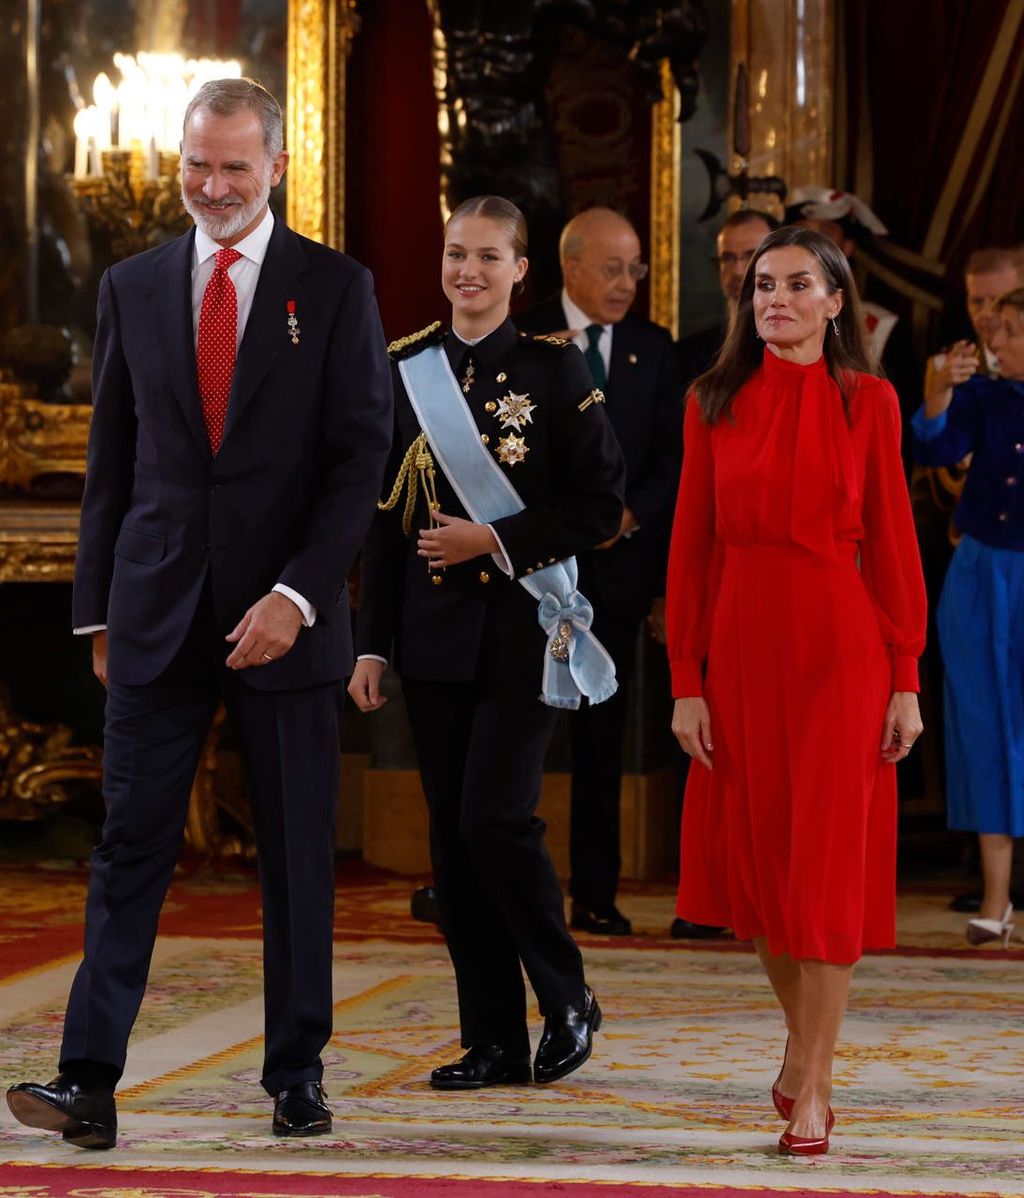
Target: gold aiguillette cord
[{"x": 417, "y": 468}]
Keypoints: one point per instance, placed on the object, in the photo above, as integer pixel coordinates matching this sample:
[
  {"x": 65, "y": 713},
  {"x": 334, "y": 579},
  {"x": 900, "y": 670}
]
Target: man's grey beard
[{"x": 222, "y": 222}]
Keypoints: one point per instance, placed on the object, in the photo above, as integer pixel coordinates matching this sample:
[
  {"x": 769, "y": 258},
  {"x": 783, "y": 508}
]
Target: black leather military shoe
[
  {"x": 483, "y": 1065},
  {"x": 301, "y": 1110},
  {"x": 85, "y": 1117},
  {"x": 567, "y": 1041},
  {"x": 683, "y": 929},
  {"x": 605, "y": 922}
]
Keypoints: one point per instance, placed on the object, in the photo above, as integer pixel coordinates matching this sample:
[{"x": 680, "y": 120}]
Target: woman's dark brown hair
[{"x": 743, "y": 350}]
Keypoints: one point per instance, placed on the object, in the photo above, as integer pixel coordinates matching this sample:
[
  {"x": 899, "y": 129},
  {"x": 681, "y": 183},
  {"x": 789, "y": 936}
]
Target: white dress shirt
[
  {"x": 245, "y": 274},
  {"x": 578, "y": 321}
]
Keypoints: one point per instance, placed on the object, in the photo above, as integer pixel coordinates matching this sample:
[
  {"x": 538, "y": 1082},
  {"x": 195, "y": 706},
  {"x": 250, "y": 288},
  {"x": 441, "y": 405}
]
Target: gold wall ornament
[
  {"x": 37, "y": 762},
  {"x": 666, "y": 167},
  {"x": 39, "y": 438},
  {"x": 320, "y": 34}
]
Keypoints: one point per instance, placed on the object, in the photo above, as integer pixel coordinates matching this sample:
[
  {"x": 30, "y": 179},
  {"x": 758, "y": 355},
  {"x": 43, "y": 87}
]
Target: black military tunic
[{"x": 470, "y": 651}]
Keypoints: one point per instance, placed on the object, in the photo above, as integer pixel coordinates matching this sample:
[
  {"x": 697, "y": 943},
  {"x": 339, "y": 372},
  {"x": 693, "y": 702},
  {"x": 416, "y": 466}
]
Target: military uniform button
[
  {"x": 490, "y": 406},
  {"x": 484, "y": 576},
  {"x": 551, "y": 561},
  {"x": 1012, "y": 480},
  {"x": 501, "y": 377},
  {"x": 484, "y": 437},
  {"x": 529, "y": 569},
  {"x": 1003, "y": 517},
  {"x": 436, "y": 579},
  {"x": 1019, "y": 447}
]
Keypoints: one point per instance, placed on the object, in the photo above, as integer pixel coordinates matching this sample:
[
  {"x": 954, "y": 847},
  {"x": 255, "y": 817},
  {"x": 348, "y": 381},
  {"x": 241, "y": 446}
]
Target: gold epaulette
[
  {"x": 404, "y": 346},
  {"x": 596, "y": 396},
  {"x": 551, "y": 339}
]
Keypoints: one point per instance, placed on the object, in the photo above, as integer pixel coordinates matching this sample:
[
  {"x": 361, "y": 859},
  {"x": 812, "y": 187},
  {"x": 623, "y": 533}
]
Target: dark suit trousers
[
  {"x": 597, "y": 734},
  {"x": 481, "y": 753},
  {"x": 152, "y": 740}
]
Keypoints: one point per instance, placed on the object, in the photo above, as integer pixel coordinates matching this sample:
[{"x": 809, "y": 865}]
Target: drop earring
[{"x": 835, "y": 327}]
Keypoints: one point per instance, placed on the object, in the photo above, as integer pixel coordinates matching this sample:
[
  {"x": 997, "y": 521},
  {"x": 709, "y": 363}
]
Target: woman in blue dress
[{"x": 981, "y": 612}]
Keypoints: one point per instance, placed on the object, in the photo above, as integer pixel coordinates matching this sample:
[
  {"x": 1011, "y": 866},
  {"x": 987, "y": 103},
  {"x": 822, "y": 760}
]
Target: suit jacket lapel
[
  {"x": 266, "y": 331},
  {"x": 619, "y": 366},
  {"x": 176, "y": 333}
]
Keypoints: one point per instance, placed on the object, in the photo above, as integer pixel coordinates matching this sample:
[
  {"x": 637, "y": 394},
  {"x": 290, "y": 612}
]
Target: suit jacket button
[{"x": 484, "y": 576}]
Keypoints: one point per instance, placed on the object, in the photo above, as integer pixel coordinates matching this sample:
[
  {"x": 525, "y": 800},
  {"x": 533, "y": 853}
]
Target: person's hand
[
  {"x": 656, "y": 621},
  {"x": 946, "y": 371},
  {"x": 364, "y": 685},
  {"x": 628, "y": 523},
  {"x": 691, "y": 726},
  {"x": 266, "y": 632},
  {"x": 902, "y": 726},
  {"x": 453, "y": 541},
  {"x": 99, "y": 655}
]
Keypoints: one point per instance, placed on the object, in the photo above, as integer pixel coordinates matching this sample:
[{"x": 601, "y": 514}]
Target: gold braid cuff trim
[{"x": 417, "y": 467}]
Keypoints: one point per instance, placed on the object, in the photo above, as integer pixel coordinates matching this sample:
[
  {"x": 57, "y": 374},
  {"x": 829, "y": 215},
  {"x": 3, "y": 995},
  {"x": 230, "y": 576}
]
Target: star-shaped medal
[
  {"x": 512, "y": 449},
  {"x": 515, "y": 411}
]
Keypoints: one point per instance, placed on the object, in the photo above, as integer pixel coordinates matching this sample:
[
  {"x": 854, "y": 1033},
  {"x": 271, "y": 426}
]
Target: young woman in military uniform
[{"x": 485, "y": 660}]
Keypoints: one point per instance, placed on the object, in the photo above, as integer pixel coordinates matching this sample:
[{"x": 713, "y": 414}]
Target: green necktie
[{"x": 593, "y": 355}]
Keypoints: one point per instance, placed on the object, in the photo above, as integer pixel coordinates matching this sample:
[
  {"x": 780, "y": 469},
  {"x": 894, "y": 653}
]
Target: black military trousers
[
  {"x": 597, "y": 734},
  {"x": 153, "y": 736},
  {"x": 481, "y": 752}
]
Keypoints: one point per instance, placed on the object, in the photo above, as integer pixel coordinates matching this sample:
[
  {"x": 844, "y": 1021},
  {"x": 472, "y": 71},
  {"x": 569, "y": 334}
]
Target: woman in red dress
[{"x": 794, "y": 574}]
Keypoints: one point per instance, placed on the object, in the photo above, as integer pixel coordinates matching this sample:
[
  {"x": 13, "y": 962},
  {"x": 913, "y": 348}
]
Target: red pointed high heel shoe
[
  {"x": 783, "y": 1104},
  {"x": 804, "y": 1145}
]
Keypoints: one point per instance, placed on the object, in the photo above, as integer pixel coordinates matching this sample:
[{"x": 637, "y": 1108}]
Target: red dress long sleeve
[{"x": 794, "y": 574}]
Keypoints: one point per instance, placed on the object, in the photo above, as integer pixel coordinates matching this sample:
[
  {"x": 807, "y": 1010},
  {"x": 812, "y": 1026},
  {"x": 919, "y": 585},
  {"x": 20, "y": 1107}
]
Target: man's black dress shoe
[
  {"x": 482, "y": 1065},
  {"x": 682, "y": 929},
  {"x": 608, "y": 921},
  {"x": 301, "y": 1110},
  {"x": 424, "y": 906},
  {"x": 567, "y": 1041},
  {"x": 85, "y": 1117}
]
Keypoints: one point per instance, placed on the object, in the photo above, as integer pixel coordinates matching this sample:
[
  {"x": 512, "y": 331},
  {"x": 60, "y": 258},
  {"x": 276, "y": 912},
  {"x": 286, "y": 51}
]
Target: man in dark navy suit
[
  {"x": 632, "y": 361},
  {"x": 242, "y": 419}
]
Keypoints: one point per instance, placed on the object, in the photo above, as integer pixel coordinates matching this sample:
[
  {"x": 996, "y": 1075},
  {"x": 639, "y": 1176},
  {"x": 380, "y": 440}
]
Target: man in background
[
  {"x": 633, "y": 363},
  {"x": 740, "y": 235}
]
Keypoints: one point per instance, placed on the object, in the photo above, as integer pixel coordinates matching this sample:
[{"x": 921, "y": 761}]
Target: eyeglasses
[
  {"x": 729, "y": 259},
  {"x": 635, "y": 270}
]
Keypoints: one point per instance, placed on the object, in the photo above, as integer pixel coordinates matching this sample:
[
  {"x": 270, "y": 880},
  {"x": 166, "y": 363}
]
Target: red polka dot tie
[{"x": 215, "y": 351}]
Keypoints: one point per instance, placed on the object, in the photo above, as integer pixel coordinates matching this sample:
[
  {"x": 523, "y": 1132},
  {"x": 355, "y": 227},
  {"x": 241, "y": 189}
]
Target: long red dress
[{"x": 795, "y": 574}]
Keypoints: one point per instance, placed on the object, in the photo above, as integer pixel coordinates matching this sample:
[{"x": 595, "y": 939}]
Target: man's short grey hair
[{"x": 225, "y": 97}]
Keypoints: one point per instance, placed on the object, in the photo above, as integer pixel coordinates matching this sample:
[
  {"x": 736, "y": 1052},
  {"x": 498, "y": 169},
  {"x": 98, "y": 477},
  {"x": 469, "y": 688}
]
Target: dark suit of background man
[
  {"x": 633, "y": 362},
  {"x": 225, "y": 501}
]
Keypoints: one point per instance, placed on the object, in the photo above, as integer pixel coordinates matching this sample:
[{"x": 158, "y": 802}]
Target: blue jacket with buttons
[{"x": 986, "y": 419}]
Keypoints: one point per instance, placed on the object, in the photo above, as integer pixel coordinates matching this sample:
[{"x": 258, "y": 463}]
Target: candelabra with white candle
[{"x": 127, "y": 145}]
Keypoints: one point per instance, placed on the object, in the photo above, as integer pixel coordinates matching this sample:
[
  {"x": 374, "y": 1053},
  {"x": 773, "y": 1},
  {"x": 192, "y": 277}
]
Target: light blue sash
[{"x": 575, "y": 661}]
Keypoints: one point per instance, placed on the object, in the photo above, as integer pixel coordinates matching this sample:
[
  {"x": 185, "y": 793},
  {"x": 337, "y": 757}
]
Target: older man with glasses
[{"x": 632, "y": 362}]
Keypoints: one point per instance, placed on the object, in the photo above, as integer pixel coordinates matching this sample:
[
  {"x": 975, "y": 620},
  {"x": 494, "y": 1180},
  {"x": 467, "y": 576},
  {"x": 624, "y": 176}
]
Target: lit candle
[
  {"x": 83, "y": 124},
  {"x": 106, "y": 98}
]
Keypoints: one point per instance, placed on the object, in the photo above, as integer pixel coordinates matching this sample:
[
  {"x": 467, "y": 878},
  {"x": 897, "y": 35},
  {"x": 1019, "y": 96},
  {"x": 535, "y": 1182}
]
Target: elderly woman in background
[
  {"x": 794, "y": 573},
  {"x": 981, "y": 613}
]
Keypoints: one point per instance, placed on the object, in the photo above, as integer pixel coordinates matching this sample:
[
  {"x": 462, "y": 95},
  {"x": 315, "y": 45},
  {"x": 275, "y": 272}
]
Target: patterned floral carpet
[{"x": 929, "y": 1095}]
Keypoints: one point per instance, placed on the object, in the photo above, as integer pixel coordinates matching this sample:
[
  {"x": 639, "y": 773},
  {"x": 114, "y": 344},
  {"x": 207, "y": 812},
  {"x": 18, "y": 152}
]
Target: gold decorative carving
[
  {"x": 39, "y": 438},
  {"x": 665, "y": 173},
  {"x": 320, "y": 35},
  {"x": 37, "y": 541},
  {"x": 37, "y": 761}
]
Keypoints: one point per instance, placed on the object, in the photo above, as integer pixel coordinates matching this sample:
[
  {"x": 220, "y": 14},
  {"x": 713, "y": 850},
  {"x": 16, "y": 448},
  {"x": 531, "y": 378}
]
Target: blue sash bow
[{"x": 575, "y": 661}]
